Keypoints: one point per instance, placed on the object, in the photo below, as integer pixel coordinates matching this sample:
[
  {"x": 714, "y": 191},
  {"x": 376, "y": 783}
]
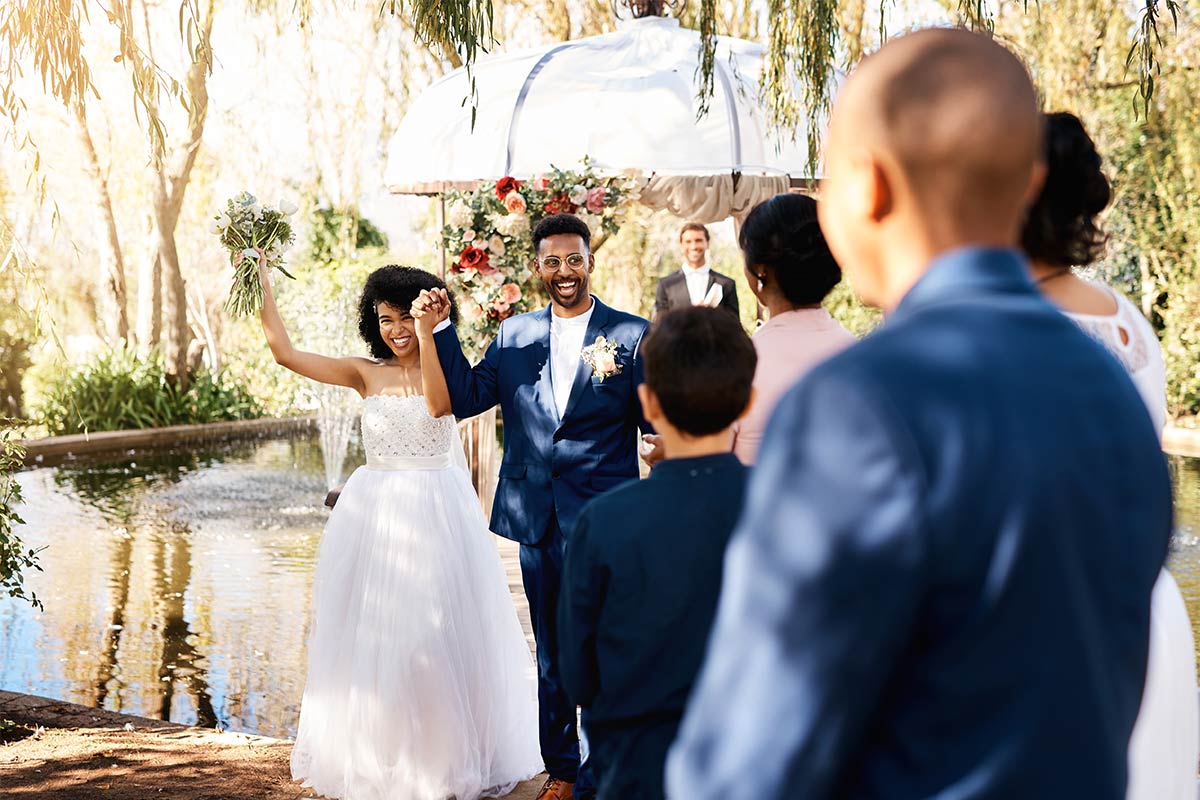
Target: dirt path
[{"x": 80, "y": 753}]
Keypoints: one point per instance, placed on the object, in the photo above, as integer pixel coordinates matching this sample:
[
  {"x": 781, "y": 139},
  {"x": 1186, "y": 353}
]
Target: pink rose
[
  {"x": 515, "y": 203},
  {"x": 595, "y": 200},
  {"x": 605, "y": 364},
  {"x": 472, "y": 311},
  {"x": 541, "y": 183},
  {"x": 510, "y": 293}
]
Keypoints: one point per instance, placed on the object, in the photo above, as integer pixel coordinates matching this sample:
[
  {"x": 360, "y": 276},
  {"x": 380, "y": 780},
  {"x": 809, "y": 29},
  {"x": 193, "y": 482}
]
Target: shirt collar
[
  {"x": 697, "y": 465},
  {"x": 581, "y": 320},
  {"x": 690, "y": 270}
]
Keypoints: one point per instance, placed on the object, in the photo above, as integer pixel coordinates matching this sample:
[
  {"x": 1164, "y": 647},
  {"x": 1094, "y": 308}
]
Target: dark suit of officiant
[
  {"x": 673, "y": 292},
  {"x": 640, "y": 586}
]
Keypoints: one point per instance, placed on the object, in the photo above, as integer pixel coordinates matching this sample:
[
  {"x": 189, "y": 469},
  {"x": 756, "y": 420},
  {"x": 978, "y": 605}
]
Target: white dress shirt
[
  {"x": 697, "y": 282},
  {"x": 566, "y": 344}
]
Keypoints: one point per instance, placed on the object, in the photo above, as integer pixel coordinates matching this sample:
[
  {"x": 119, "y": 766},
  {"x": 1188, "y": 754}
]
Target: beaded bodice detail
[{"x": 401, "y": 426}]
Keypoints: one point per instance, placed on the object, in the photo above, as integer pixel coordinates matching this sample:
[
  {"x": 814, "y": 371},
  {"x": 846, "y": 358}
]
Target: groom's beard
[{"x": 580, "y": 295}]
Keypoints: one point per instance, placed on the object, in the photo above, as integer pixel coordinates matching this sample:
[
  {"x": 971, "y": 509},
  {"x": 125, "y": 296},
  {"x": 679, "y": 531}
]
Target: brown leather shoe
[{"x": 554, "y": 789}]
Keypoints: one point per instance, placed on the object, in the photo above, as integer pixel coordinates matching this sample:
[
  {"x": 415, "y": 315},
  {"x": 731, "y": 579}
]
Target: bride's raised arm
[
  {"x": 430, "y": 308},
  {"x": 337, "y": 371}
]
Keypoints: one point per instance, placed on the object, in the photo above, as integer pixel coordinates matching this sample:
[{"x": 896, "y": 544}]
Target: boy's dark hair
[
  {"x": 694, "y": 226},
  {"x": 700, "y": 364},
  {"x": 557, "y": 224},
  {"x": 398, "y": 287}
]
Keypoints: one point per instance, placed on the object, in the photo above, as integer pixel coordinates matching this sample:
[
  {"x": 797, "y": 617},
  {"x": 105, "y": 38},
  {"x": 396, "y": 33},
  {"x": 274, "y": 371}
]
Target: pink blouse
[{"x": 788, "y": 346}]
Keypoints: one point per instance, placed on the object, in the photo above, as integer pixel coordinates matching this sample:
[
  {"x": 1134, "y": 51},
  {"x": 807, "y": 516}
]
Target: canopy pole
[{"x": 441, "y": 224}]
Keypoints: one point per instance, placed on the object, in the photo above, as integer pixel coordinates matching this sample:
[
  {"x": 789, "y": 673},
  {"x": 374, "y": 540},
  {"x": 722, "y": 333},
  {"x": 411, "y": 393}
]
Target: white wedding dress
[
  {"x": 1165, "y": 744},
  {"x": 420, "y": 682}
]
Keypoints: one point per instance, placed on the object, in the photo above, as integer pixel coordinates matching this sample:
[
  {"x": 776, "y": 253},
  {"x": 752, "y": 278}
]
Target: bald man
[{"x": 940, "y": 587}]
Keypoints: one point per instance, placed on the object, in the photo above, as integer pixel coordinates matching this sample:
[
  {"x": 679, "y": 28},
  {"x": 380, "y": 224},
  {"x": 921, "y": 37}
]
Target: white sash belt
[{"x": 409, "y": 462}]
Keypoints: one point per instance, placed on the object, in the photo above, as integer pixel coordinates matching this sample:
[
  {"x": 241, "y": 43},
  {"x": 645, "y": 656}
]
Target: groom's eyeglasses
[{"x": 554, "y": 263}]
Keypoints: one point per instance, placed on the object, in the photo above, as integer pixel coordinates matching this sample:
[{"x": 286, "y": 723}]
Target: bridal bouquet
[{"x": 245, "y": 227}]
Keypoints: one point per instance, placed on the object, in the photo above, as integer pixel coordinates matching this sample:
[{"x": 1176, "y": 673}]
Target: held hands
[{"x": 429, "y": 309}]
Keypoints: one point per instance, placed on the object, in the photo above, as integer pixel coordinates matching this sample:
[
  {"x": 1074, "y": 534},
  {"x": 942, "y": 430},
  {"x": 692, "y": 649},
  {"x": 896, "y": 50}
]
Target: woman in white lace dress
[
  {"x": 1062, "y": 232},
  {"x": 420, "y": 682}
]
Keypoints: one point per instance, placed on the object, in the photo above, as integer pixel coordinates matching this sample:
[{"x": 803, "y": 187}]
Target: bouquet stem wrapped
[{"x": 246, "y": 228}]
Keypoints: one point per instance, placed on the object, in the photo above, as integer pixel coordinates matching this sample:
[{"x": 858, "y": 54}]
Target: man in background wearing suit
[
  {"x": 695, "y": 284},
  {"x": 941, "y": 583}
]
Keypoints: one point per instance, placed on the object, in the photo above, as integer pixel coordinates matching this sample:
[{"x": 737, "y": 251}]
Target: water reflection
[{"x": 177, "y": 584}]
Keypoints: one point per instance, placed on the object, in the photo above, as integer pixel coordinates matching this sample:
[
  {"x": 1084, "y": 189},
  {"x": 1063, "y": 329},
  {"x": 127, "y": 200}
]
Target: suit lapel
[
  {"x": 597, "y": 326},
  {"x": 545, "y": 384},
  {"x": 681, "y": 298}
]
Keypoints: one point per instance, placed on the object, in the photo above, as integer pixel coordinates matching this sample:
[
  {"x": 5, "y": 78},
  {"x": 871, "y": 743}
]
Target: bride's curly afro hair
[{"x": 398, "y": 287}]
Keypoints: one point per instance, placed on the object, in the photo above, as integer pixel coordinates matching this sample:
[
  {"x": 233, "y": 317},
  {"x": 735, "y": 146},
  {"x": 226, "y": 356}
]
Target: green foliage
[
  {"x": 330, "y": 229},
  {"x": 15, "y": 559},
  {"x": 118, "y": 390},
  {"x": 847, "y": 309}
]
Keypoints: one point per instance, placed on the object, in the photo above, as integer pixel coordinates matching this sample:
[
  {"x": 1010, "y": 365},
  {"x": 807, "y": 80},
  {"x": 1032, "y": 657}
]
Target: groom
[{"x": 571, "y": 417}]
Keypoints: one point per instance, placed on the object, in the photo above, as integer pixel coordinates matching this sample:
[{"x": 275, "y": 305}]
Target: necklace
[{"x": 1058, "y": 273}]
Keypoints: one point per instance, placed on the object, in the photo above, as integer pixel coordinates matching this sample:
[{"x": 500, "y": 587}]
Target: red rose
[
  {"x": 506, "y": 185},
  {"x": 472, "y": 258},
  {"x": 560, "y": 204}
]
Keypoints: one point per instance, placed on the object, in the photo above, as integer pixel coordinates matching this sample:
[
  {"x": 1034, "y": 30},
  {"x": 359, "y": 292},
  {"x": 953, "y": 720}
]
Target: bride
[{"x": 420, "y": 684}]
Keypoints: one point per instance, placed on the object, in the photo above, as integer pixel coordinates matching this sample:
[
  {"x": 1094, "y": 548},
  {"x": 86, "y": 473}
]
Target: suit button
[{"x": 556, "y": 475}]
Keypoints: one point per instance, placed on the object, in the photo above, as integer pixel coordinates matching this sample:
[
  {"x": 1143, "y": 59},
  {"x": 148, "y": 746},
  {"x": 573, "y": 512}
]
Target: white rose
[
  {"x": 459, "y": 215},
  {"x": 287, "y": 208},
  {"x": 468, "y": 236},
  {"x": 496, "y": 245},
  {"x": 578, "y": 194},
  {"x": 513, "y": 225}
]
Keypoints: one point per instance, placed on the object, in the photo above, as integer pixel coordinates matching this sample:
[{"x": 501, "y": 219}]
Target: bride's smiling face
[{"x": 398, "y": 329}]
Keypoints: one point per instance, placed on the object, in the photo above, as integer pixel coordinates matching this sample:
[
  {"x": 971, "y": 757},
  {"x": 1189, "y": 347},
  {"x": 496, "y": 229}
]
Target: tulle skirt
[{"x": 420, "y": 681}]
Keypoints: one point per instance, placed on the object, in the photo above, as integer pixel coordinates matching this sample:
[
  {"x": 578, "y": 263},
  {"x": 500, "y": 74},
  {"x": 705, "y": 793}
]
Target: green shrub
[
  {"x": 119, "y": 390},
  {"x": 14, "y": 558}
]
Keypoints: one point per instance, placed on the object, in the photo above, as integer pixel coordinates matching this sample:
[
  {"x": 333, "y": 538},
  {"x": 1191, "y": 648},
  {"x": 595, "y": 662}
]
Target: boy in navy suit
[{"x": 643, "y": 565}]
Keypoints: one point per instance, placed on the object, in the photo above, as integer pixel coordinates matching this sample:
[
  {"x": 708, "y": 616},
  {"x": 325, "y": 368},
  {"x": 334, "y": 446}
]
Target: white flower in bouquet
[
  {"x": 287, "y": 208},
  {"x": 496, "y": 245},
  {"x": 593, "y": 221},
  {"x": 468, "y": 235},
  {"x": 246, "y": 229},
  {"x": 578, "y": 194},
  {"x": 513, "y": 225},
  {"x": 459, "y": 215}
]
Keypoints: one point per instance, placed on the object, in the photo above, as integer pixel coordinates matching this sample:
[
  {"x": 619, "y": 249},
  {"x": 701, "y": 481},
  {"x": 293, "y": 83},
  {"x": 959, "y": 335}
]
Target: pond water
[{"x": 176, "y": 583}]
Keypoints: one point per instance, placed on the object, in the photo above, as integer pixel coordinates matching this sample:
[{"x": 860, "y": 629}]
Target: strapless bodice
[{"x": 401, "y": 427}]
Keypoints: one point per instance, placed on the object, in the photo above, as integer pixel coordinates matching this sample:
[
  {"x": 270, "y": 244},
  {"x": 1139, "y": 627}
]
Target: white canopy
[{"x": 625, "y": 99}]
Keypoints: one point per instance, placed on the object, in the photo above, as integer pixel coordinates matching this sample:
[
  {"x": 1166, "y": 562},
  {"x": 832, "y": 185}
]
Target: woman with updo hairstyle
[
  {"x": 791, "y": 271},
  {"x": 1062, "y": 231}
]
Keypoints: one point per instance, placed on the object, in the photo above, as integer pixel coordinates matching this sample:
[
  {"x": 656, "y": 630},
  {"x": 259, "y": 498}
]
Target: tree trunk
[
  {"x": 149, "y": 296},
  {"x": 169, "y": 185},
  {"x": 114, "y": 322}
]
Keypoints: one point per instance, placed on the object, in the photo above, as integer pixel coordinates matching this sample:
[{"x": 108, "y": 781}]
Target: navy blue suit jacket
[
  {"x": 941, "y": 584},
  {"x": 551, "y": 466}
]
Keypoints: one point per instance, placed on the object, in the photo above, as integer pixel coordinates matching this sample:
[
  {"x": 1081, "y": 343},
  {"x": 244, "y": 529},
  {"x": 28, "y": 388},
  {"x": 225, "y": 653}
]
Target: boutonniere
[{"x": 601, "y": 356}]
